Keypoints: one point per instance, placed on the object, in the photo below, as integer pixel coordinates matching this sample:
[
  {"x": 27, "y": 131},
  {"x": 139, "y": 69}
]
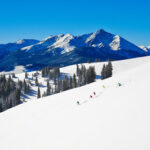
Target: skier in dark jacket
[{"x": 78, "y": 102}]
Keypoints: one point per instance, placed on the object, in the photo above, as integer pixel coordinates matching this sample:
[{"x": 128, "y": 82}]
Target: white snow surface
[{"x": 116, "y": 118}]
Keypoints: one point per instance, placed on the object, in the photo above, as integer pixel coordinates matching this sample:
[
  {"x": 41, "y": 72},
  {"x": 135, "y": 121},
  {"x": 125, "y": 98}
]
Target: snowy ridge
[
  {"x": 98, "y": 39},
  {"x": 43, "y": 44},
  {"x": 64, "y": 43}
]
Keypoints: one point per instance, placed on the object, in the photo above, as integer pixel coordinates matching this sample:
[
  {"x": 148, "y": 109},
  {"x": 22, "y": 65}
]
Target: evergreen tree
[
  {"x": 26, "y": 75},
  {"x": 39, "y": 93},
  {"x": 103, "y": 72},
  {"x": 17, "y": 94},
  {"x": 36, "y": 81},
  {"x": 77, "y": 70},
  {"x": 70, "y": 83},
  {"x": 74, "y": 81},
  {"x": 107, "y": 71},
  {"x": 48, "y": 92}
]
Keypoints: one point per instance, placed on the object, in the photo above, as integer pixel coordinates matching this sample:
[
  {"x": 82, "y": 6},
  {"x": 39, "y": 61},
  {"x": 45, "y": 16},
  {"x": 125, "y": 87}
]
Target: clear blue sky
[{"x": 39, "y": 19}]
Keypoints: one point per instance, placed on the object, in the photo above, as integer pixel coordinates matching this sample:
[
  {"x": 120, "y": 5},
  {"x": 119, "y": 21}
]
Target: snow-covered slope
[{"x": 117, "y": 118}]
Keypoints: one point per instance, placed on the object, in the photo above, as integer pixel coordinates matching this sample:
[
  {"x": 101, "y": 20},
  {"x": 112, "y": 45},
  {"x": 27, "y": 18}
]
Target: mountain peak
[
  {"x": 20, "y": 41},
  {"x": 99, "y": 36},
  {"x": 101, "y": 31},
  {"x": 24, "y": 41}
]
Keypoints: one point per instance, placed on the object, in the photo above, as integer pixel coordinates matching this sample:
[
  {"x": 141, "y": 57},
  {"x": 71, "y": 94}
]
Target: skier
[
  {"x": 78, "y": 102},
  {"x": 90, "y": 96},
  {"x": 94, "y": 93},
  {"x": 119, "y": 84}
]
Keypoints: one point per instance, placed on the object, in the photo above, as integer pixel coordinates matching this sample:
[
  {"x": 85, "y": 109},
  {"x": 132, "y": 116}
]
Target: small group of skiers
[{"x": 94, "y": 93}]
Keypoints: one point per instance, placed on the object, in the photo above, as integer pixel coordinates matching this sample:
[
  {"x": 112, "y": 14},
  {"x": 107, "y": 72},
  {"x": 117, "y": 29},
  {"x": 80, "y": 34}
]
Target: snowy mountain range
[{"x": 66, "y": 49}]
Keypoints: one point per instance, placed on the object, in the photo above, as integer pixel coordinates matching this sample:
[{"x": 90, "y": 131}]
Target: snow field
[{"x": 117, "y": 118}]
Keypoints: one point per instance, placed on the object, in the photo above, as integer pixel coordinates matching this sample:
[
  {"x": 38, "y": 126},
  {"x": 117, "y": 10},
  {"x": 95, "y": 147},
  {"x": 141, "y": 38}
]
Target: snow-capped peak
[
  {"x": 100, "y": 36},
  {"x": 51, "y": 39},
  {"x": 64, "y": 43},
  {"x": 20, "y": 41}
]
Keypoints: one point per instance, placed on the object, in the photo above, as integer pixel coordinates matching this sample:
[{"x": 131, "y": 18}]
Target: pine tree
[
  {"x": 103, "y": 72},
  {"x": 70, "y": 83},
  {"x": 36, "y": 81},
  {"x": 54, "y": 79},
  {"x": 26, "y": 75},
  {"x": 77, "y": 70},
  {"x": 74, "y": 81},
  {"x": 25, "y": 86},
  {"x": 107, "y": 71},
  {"x": 39, "y": 93},
  {"x": 48, "y": 92},
  {"x": 18, "y": 93},
  {"x": 110, "y": 69}
]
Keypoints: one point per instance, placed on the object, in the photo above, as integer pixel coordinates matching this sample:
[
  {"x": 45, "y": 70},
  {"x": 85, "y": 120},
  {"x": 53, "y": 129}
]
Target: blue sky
[{"x": 39, "y": 19}]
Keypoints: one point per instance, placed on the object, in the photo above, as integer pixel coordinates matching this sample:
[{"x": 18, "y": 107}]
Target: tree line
[
  {"x": 107, "y": 71},
  {"x": 10, "y": 92},
  {"x": 83, "y": 76}
]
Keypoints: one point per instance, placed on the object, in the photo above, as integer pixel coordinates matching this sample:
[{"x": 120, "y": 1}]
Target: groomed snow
[{"x": 117, "y": 118}]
